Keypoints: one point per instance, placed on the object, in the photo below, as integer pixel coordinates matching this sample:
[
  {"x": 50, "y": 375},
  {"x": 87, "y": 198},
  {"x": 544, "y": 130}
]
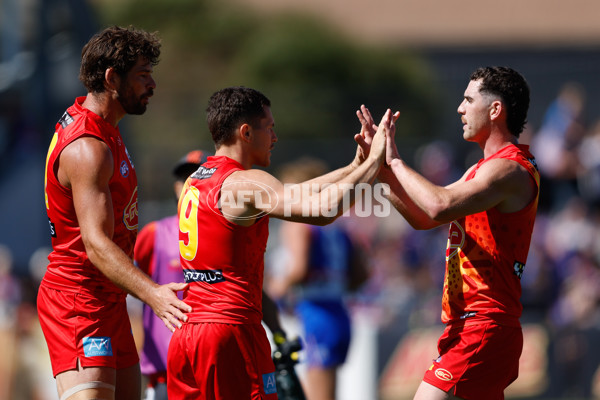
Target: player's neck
[
  {"x": 234, "y": 152},
  {"x": 498, "y": 141},
  {"x": 104, "y": 106}
]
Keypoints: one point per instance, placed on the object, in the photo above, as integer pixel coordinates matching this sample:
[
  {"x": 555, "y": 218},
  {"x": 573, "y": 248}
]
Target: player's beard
[{"x": 131, "y": 103}]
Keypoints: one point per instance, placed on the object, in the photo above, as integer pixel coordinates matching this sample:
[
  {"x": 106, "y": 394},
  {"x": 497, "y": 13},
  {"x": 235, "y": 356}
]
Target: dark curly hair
[
  {"x": 118, "y": 48},
  {"x": 512, "y": 89},
  {"x": 232, "y": 106}
]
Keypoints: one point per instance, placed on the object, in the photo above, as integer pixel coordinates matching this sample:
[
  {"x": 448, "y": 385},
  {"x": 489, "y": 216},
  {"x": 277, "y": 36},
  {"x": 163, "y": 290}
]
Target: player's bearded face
[{"x": 132, "y": 102}]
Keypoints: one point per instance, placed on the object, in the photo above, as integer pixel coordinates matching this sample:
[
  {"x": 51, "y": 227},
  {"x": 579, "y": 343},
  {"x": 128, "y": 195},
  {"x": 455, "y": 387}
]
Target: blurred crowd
[{"x": 561, "y": 283}]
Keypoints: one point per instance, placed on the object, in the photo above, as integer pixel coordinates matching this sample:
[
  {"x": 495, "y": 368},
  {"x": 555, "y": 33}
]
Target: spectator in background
[
  {"x": 10, "y": 293},
  {"x": 318, "y": 266},
  {"x": 157, "y": 254},
  {"x": 588, "y": 176},
  {"x": 10, "y": 297},
  {"x": 557, "y": 143}
]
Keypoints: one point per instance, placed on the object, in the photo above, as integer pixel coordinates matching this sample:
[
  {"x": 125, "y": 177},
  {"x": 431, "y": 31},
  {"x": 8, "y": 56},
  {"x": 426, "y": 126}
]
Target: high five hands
[{"x": 368, "y": 140}]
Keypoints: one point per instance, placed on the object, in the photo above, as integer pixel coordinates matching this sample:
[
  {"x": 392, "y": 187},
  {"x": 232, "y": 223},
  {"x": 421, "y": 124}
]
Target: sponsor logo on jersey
[
  {"x": 534, "y": 163},
  {"x": 468, "y": 315},
  {"x": 456, "y": 240},
  {"x": 97, "y": 346},
  {"x": 518, "y": 269},
  {"x": 52, "y": 228},
  {"x": 443, "y": 374},
  {"x": 269, "y": 383},
  {"x": 128, "y": 157},
  {"x": 124, "y": 169},
  {"x": 130, "y": 214},
  {"x": 208, "y": 275},
  {"x": 65, "y": 120},
  {"x": 203, "y": 173}
]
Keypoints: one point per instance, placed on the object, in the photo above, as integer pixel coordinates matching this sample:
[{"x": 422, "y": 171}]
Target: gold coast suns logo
[
  {"x": 456, "y": 239},
  {"x": 443, "y": 374},
  {"x": 130, "y": 214}
]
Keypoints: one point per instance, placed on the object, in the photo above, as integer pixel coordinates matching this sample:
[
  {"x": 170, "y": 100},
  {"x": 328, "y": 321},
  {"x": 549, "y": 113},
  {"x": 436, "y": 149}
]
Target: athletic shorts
[
  {"x": 326, "y": 333},
  {"x": 477, "y": 361},
  {"x": 80, "y": 326},
  {"x": 216, "y": 361}
]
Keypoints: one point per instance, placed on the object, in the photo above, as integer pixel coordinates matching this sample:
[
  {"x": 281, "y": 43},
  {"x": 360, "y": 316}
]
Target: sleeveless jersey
[
  {"x": 69, "y": 268},
  {"x": 486, "y": 255},
  {"x": 222, "y": 262},
  {"x": 157, "y": 254}
]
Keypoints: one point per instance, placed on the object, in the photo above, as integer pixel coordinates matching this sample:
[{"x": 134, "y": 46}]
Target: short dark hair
[
  {"x": 118, "y": 48},
  {"x": 512, "y": 89},
  {"x": 232, "y": 106}
]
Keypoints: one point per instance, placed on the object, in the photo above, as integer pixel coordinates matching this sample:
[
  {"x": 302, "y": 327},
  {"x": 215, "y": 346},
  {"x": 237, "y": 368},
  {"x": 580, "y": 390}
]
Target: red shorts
[
  {"x": 76, "y": 325},
  {"x": 478, "y": 361},
  {"x": 216, "y": 361}
]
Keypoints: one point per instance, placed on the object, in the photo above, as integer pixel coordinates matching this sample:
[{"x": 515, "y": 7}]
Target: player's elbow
[
  {"x": 438, "y": 210},
  {"x": 96, "y": 246}
]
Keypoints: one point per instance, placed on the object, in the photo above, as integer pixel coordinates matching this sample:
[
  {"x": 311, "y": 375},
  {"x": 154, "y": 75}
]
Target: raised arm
[
  {"x": 366, "y": 136},
  {"x": 499, "y": 183},
  {"x": 416, "y": 217},
  {"x": 312, "y": 202},
  {"x": 86, "y": 166}
]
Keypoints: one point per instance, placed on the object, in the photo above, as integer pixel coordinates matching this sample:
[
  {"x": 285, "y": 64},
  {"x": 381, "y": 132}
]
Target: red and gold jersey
[
  {"x": 223, "y": 262},
  {"x": 486, "y": 255},
  {"x": 69, "y": 268}
]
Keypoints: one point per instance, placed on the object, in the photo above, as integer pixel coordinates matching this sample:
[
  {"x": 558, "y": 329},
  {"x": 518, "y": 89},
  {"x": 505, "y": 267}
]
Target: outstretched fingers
[
  {"x": 365, "y": 137},
  {"x": 378, "y": 144},
  {"x": 362, "y": 143},
  {"x": 368, "y": 126},
  {"x": 171, "y": 322},
  {"x": 373, "y": 138},
  {"x": 173, "y": 316},
  {"x": 173, "y": 312},
  {"x": 391, "y": 150}
]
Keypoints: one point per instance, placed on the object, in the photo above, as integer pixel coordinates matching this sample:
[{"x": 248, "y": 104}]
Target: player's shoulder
[
  {"x": 502, "y": 166},
  {"x": 85, "y": 150},
  {"x": 85, "y": 160},
  {"x": 505, "y": 175},
  {"x": 251, "y": 176}
]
